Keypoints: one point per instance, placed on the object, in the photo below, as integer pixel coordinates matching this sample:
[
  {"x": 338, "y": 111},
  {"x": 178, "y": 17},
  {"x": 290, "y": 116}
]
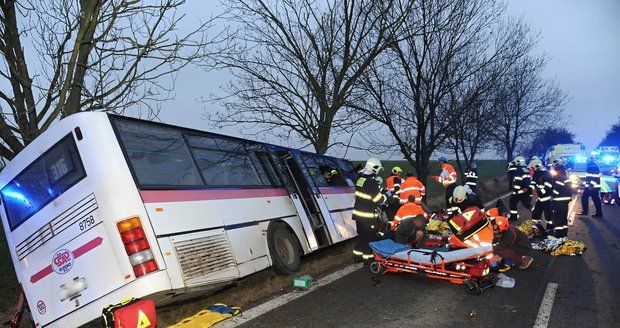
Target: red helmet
[{"x": 501, "y": 223}]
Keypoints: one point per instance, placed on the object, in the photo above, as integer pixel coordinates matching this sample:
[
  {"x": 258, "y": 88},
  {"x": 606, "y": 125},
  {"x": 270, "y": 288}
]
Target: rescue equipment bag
[{"x": 130, "y": 312}]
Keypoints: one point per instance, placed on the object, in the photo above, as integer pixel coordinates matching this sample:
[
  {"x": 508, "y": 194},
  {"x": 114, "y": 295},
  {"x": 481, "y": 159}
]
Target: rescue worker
[
  {"x": 392, "y": 183},
  {"x": 463, "y": 198},
  {"x": 520, "y": 188},
  {"x": 447, "y": 178},
  {"x": 592, "y": 188},
  {"x": 330, "y": 177},
  {"x": 412, "y": 187},
  {"x": 409, "y": 224},
  {"x": 542, "y": 182},
  {"x": 510, "y": 169},
  {"x": 368, "y": 196},
  {"x": 471, "y": 177},
  {"x": 510, "y": 243},
  {"x": 562, "y": 195}
]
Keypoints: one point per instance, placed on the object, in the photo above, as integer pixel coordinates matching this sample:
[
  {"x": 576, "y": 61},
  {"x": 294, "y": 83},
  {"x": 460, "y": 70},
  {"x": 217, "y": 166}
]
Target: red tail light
[
  {"x": 136, "y": 246},
  {"x": 144, "y": 268}
]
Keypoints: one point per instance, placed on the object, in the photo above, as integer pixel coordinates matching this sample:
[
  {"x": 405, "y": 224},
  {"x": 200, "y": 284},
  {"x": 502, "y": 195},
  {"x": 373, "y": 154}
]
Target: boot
[
  {"x": 526, "y": 261},
  {"x": 597, "y": 215}
]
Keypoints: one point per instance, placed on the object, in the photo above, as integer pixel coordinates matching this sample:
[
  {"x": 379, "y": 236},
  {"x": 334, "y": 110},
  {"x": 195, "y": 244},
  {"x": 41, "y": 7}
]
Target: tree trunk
[{"x": 88, "y": 23}]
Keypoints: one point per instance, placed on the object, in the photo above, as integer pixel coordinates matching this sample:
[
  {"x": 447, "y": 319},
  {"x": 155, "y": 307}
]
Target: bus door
[{"x": 306, "y": 198}]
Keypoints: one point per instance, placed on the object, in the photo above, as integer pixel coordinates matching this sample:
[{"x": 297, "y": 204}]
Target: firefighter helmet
[
  {"x": 459, "y": 194},
  {"x": 373, "y": 165},
  {"x": 396, "y": 170},
  {"x": 442, "y": 159},
  {"x": 501, "y": 223},
  {"x": 536, "y": 164},
  {"x": 519, "y": 161}
]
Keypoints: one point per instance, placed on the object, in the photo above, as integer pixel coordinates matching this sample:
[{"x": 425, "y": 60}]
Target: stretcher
[{"x": 468, "y": 266}]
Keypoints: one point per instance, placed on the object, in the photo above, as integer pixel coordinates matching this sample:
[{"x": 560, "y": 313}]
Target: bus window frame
[
  {"x": 80, "y": 162},
  {"x": 185, "y": 132}
]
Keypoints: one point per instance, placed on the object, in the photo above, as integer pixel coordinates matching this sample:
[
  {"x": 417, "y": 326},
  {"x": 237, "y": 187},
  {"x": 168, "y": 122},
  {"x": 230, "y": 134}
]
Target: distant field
[{"x": 487, "y": 170}]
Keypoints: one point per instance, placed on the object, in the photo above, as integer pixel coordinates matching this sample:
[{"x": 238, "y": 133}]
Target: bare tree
[
  {"x": 92, "y": 55},
  {"x": 296, "y": 62},
  {"x": 451, "y": 55},
  {"x": 527, "y": 104}
]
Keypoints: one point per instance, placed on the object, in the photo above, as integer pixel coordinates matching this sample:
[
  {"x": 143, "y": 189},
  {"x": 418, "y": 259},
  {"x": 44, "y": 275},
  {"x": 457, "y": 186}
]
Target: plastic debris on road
[
  {"x": 505, "y": 281},
  {"x": 560, "y": 246},
  {"x": 302, "y": 282},
  {"x": 528, "y": 227}
]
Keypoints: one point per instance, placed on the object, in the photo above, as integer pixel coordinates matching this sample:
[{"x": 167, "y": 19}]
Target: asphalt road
[{"x": 587, "y": 295}]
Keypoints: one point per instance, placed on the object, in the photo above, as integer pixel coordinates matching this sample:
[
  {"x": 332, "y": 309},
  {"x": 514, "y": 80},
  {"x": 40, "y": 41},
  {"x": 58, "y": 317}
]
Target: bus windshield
[{"x": 50, "y": 175}]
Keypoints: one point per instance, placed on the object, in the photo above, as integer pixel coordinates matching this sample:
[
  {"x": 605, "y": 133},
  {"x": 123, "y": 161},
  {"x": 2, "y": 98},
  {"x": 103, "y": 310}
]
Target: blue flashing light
[
  {"x": 581, "y": 159},
  {"x": 608, "y": 159},
  {"x": 14, "y": 195}
]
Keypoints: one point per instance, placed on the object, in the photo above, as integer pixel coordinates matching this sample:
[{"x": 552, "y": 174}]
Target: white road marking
[
  {"x": 495, "y": 200},
  {"x": 571, "y": 213},
  {"x": 283, "y": 299},
  {"x": 544, "y": 312}
]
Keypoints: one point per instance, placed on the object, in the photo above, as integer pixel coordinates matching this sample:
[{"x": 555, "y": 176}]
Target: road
[{"x": 586, "y": 295}]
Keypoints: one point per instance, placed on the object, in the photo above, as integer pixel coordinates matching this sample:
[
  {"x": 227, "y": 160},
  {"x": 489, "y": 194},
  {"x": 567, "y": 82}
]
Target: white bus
[{"x": 103, "y": 207}]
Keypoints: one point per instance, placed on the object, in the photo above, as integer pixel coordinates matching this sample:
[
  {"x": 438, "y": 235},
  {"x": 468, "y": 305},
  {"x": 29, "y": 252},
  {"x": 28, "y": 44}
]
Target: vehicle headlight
[{"x": 486, "y": 271}]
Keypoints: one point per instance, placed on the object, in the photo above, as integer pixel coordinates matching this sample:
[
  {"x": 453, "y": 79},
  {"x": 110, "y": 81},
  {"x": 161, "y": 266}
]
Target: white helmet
[
  {"x": 459, "y": 194},
  {"x": 536, "y": 164},
  {"x": 373, "y": 165},
  {"x": 519, "y": 160}
]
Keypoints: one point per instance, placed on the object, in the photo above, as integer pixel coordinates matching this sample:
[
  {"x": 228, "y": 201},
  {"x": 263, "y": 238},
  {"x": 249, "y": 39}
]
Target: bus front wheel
[{"x": 284, "y": 248}]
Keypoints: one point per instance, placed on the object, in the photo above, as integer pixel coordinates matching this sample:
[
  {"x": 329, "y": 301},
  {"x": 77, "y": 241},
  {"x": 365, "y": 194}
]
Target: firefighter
[
  {"x": 592, "y": 188},
  {"x": 471, "y": 177},
  {"x": 520, "y": 188},
  {"x": 542, "y": 182},
  {"x": 409, "y": 224},
  {"x": 368, "y": 196},
  {"x": 510, "y": 243},
  {"x": 463, "y": 198},
  {"x": 392, "y": 183},
  {"x": 448, "y": 179},
  {"x": 510, "y": 170},
  {"x": 562, "y": 195},
  {"x": 412, "y": 187}
]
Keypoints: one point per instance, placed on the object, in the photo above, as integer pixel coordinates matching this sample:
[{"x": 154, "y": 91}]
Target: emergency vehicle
[
  {"x": 574, "y": 156},
  {"x": 103, "y": 207}
]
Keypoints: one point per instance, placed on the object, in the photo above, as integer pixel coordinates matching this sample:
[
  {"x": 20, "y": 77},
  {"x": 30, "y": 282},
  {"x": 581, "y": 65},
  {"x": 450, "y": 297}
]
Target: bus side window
[
  {"x": 264, "y": 160},
  {"x": 223, "y": 162},
  {"x": 158, "y": 155},
  {"x": 348, "y": 172},
  {"x": 314, "y": 169}
]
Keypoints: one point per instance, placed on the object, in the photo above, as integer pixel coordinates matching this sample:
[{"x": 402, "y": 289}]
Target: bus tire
[{"x": 284, "y": 248}]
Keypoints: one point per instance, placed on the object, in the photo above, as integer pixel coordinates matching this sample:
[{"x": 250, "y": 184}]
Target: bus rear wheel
[{"x": 284, "y": 249}]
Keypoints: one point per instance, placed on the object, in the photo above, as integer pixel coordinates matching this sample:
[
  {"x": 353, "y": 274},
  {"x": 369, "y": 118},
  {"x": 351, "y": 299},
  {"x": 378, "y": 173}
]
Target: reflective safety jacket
[
  {"x": 447, "y": 175},
  {"x": 520, "y": 180},
  {"x": 408, "y": 211},
  {"x": 392, "y": 183},
  {"x": 368, "y": 196},
  {"x": 412, "y": 186},
  {"x": 542, "y": 182},
  {"x": 562, "y": 185},
  {"x": 471, "y": 177},
  {"x": 510, "y": 171},
  {"x": 593, "y": 177}
]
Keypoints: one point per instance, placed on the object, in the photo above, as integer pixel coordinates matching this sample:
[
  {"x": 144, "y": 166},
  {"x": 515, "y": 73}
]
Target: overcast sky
[{"x": 582, "y": 37}]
